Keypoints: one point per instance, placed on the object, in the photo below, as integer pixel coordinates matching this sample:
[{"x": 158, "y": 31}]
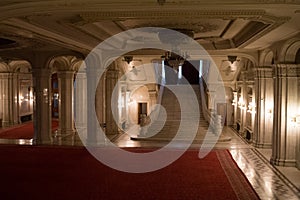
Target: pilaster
[
  {"x": 243, "y": 102},
  {"x": 286, "y": 107},
  {"x": 66, "y": 120},
  {"x": 264, "y": 101},
  {"x": 10, "y": 99},
  {"x": 234, "y": 103}
]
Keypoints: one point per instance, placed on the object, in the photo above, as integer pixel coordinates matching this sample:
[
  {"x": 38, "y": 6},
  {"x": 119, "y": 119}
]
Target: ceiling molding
[{"x": 90, "y": 17}]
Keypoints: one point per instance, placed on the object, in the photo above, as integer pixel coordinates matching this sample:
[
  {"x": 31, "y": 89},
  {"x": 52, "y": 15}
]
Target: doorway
[{"x": 142, "y": 110}]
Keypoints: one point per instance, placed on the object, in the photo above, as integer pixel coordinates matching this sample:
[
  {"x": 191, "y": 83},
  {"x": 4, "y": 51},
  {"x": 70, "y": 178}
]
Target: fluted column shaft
[
  {"x": 264, "y": 100},
  {"x": 80, "y": 99},
  {"x": 286, "y": 106},
  {"x": 111, "y": 82},
  {"x": 9, "y": 99},
  {"x": 42, "y": 105},
  {"x": 66, "y": 115}
]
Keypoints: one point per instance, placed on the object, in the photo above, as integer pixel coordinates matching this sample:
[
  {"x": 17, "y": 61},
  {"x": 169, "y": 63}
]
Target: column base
[
  {"x": 282, "y": 162},
  {"x": 97, "y": 143},
  {"x": 42, "y": 142},
  {"x": 298, "y": 164},
  {"x": 262, "y": 145},
  {"x": 64, "y": 137},
  {"x": 7, "y": 123}
]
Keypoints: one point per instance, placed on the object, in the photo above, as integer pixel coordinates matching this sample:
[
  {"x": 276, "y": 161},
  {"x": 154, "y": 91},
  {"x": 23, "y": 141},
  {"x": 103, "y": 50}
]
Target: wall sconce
[
  {"x": 233, "y": 102},
  {"x": 45, "y": 94},
  {"x": 269, "y": 112},
  {"x": 295, "y": 120},
  {"x": 128, "y": 59},
  {"x": 241, "y": 104},
  {"x": 251, "y": 108}
]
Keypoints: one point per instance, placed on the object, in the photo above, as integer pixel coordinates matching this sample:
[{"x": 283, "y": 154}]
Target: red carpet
[
  {"x": 72, "y": 173},
  {"x": 23, "y": 131}
]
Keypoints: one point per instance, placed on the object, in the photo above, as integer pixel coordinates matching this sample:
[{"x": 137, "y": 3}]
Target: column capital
[
  {"x": 65, "y": 74},
  {"x": 263, "y": 72},
  {"x": 41, "y": 72},
  {"x": 286, "y": 70}
]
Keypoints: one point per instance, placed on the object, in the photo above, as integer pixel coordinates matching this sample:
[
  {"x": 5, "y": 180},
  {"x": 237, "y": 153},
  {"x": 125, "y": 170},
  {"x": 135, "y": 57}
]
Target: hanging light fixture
[
  {"x": 232, "y": 59},
  {"x": 161, "y": 2},
  {"x": 128, "y": 59}
]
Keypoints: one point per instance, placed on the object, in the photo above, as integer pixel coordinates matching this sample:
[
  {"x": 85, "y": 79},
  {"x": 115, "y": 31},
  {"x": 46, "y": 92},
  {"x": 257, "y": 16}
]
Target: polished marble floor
[{"x": 270, "y": 182}]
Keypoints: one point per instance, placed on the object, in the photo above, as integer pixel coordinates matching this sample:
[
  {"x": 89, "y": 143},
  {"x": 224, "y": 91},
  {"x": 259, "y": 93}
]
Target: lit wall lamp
[
  {"x": 241, "y": 104},
  {"x": 295, "y": 120},
  {"x": 251, "y": 108},
  {"x": 269, "y": 111},
  {"x": 233, "y": 102}
]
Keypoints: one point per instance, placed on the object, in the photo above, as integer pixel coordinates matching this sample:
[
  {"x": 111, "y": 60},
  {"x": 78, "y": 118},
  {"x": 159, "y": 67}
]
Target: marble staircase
[{"x": 181, "y": 118}]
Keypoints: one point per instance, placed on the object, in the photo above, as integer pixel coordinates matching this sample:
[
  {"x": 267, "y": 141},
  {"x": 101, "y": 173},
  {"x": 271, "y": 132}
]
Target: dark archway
[{"x": 190, "y": 72}]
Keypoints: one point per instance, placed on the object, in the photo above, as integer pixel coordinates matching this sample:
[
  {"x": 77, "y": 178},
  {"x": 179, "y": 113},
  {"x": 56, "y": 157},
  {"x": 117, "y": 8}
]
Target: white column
[
  {"x": 66, "y": 115},
  {"x": 127, "y": 100},
  {"x": 80, "y": 99},
  {"x": 234, "y": 103},
  {"x": 285, "y": 108},
  {"x": 264, "y": 100},
  {"x": 93, "y": 72},
  {"x": 111, "y": 82},
  {"x": 244, "y": 96},
  {"x": 42, "y": 105},
  {"x": 9, "y": 99}
]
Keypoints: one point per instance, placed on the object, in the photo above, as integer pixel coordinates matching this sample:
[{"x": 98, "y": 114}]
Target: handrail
[{"x": 208, "y": 115}]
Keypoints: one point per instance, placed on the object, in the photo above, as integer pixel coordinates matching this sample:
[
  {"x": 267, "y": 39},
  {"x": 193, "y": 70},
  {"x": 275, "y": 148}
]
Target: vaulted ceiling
[{"x": 79, "y": 25}]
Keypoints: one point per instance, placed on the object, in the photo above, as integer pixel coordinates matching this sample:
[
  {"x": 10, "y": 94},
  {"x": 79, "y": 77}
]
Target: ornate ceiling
[{"x": 79, "y": 25}]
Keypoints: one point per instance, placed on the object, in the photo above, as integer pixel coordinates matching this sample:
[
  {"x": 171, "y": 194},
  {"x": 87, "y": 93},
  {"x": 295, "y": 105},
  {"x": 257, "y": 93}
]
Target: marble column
[
  {"x": 66, "y": 115},
  {"x": 1, "y": 100},
  {"x": 80, "y": 99},
  {"x": 127, "y": 100},
  {"x": 10, "y": 98},
  {"x": 286, "y": 107},
  {"x": 234, "y": 103},
  {"x": 42, "y": 105},
  {"x": 264, "y": 100},
  {"x": 111, "y": 81},
  {"x": 298, "y": 146},
  {"x": 244, "y": 99},
  {"x": 298, "y": 132},
  {"x": 93, "y": 71}
]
